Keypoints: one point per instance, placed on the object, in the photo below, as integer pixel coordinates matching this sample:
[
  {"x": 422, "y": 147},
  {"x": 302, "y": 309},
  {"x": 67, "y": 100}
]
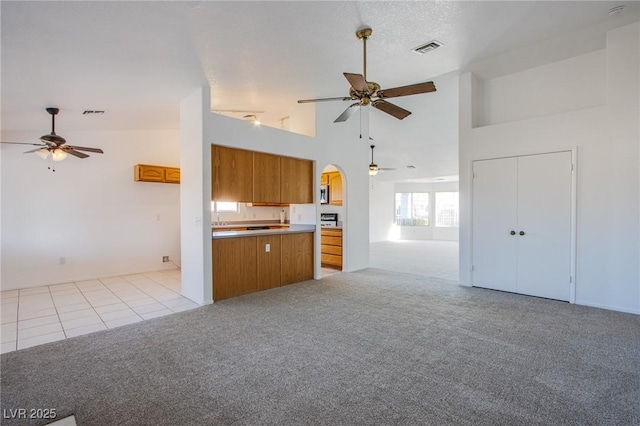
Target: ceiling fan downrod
[
  {"x": 364, "y": 35},
  {"x": 53, "y": 112}
]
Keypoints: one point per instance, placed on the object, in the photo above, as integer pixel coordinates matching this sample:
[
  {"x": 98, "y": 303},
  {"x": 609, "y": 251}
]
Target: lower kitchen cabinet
[
  {"x": 244, "y": 265},
  {"x": 235, "y": 267},
  {"x": 269, "y": 261},
  {"x": 331, "y": 247},
  {"x": 297, "y": 257}
]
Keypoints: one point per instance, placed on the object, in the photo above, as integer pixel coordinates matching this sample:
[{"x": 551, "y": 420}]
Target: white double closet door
[{"x": 522, "y": 224}]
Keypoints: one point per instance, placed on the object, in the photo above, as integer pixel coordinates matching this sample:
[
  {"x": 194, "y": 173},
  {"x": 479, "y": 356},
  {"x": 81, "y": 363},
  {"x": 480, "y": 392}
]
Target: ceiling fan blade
[
  {"x": 75, "y": 153},
  {"x": 83, "y": 148},
  {"x": 391, "y": 109},
  {"x": 25, "y": 143},
  {"x": 357, "y": 81},
  {"x": 34, "y": 150},
  {"x": 347, "y": 113},
  {"x": 387, "y": 168},
  {"x": 344, "y": 98},
  {"x": 413, "y": 89}
]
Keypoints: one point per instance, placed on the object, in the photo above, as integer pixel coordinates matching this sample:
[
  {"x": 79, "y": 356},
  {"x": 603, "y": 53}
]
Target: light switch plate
[{"x": 267, "y": 248}]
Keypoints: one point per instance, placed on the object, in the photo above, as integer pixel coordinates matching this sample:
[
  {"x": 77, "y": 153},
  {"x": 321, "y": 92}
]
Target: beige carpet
[{"x": 366, "y": 348}]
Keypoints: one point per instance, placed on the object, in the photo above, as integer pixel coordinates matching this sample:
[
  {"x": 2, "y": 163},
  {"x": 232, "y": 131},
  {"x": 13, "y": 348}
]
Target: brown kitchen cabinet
[
  {"x": 172, "y": 175},
  {"x": 331, "y": 247},
  {"x": 296, "y": 181},
  {"x": 297, "y": 258},
  {"x": 231, "y": 174},
  {"x": 335, "y": 189},
  {"x": 269, "y": 262},
  {"x": 235, "y": 267},
  {"x": 161, "y": 174},
  {"x": 266, "y": 178},
  {"x": 242, "y": 265}
]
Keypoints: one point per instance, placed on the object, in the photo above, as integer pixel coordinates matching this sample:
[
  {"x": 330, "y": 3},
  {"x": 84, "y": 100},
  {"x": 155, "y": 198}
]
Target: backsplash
[{"x": 249, "y": 213}]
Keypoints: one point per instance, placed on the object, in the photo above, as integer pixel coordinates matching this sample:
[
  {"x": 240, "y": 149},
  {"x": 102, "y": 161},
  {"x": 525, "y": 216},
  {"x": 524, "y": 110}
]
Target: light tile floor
[{"x": 38, "y": 315}]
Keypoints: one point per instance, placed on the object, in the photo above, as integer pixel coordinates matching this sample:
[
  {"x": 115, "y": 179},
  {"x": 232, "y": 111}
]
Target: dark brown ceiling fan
[
  {"x": 373, "y": 167},
  {"x": 369, "y": 92},
  {"x": 55, "y": 145}
]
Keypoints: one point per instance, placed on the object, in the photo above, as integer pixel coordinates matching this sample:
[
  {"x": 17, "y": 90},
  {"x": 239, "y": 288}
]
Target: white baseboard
[{"x": 608, "y": 307}]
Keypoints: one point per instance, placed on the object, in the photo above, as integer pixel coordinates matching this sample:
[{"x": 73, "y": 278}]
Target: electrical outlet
[
  {"x": 267, "y": 248},
  {"x": 165, "y": 259}
]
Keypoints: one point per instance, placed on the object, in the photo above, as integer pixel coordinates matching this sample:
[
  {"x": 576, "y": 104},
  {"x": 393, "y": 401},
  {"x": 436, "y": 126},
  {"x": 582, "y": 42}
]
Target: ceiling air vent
[
  {"x": 92, "y": 112},
  {"x": 432, "y": 45},
  {"x": 411, "y": 167}
]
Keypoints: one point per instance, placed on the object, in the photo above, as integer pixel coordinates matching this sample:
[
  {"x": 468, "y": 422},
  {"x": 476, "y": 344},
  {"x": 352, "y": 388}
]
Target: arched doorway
[{"x": 332, "y": 220}]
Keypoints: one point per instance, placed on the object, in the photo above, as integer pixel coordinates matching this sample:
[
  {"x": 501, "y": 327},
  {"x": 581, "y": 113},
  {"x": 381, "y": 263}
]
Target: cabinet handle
[
  {"x": 513, "y": 232},
  {"x": 521, "y": 232}
]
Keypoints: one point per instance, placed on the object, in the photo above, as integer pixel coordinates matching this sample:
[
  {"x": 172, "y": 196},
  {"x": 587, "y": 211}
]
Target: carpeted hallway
[{"x": 371, "y": 347}]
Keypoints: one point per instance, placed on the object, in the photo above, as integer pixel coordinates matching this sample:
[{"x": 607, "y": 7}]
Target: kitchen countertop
[{"x": 291, "y": 229}]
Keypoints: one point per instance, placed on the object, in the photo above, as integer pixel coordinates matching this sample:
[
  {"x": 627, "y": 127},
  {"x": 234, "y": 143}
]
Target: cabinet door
[
  {"x": 231, "y": 174},
  {"x": 495, "y": 250},
  {"x": 266, "y": 178},
  {"x": 296, "y": 181},
  {"x": 234, "y": 267},
  {"x": 269, "y": 261},
  {"x": 544, "y": 216},
  {"x": 335, "y": 187},
  {"x": 324, "y": 179},
  {"x": 148, "y": 173},
  {"x": 297, "y": 257},
  {"x": 172, "y": 175}
]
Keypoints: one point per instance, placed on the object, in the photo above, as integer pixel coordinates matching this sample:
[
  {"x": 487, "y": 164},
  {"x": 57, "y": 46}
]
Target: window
[
  {"x": 412, "y": 208},
  {"x": 224, "y": 207},
  {"x": 447, "y": 209}
]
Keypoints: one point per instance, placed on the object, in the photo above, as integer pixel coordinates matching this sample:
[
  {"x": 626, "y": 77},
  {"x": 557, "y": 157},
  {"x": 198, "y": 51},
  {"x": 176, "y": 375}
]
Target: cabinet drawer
[
  {"x": 331, "y": 241},
  {"x": 336, "y": 250},
  {"x": 331, "y": 232},
  {"x": 331, "y": 259}
]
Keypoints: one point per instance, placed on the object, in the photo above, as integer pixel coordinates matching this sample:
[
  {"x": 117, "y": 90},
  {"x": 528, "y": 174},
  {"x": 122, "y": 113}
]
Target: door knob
[
  {"x": 513, "y": 232},
  {"x": 521, "y": 232}
]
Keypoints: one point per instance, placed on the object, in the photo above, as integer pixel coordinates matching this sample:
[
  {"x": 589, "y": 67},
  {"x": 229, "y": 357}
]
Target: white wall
[
  {"x": 608, "y": 166},
  {"x": 337, "y": 144},
  {"x": 89, "y": 211},
  {"x": 195, "y": 197},
  {"x": 381, "y": 214}
]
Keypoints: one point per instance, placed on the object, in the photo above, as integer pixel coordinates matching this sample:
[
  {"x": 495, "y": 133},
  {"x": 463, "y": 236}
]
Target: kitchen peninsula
[{"x": 258, "y": 255}]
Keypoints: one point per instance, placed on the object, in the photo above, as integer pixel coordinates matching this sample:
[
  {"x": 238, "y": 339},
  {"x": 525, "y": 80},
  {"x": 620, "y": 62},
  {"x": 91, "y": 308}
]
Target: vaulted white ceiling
[{"x": 137, "y": 60}]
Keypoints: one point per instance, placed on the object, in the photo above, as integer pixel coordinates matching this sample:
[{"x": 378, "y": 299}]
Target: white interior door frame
[{"x": 574, "y": 205}]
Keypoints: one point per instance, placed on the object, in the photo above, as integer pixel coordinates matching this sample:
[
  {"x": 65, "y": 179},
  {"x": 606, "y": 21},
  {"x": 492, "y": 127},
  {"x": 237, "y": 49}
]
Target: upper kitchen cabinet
[
  {"x": 231, "y": 174},
  {"x": 266, "y": 178},
  {"x": 335, "y": 189},
  {"x": 162, "y": 174},
  {"x": 296, "y": 181},
  {"x": 172, "y": 174}
]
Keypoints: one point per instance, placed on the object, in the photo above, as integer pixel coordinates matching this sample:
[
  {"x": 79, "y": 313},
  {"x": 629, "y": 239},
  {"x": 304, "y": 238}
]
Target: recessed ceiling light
[
  {"x": 428, "y": 47},
  {"x": 439, "y": 178},
  {"x": 616, "y": 10}
]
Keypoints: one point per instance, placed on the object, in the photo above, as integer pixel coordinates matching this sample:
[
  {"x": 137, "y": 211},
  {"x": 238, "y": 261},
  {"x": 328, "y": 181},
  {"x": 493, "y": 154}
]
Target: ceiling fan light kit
[
  {"x": 370, "y": 93},
  {"x": 55, "y": 145}
]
